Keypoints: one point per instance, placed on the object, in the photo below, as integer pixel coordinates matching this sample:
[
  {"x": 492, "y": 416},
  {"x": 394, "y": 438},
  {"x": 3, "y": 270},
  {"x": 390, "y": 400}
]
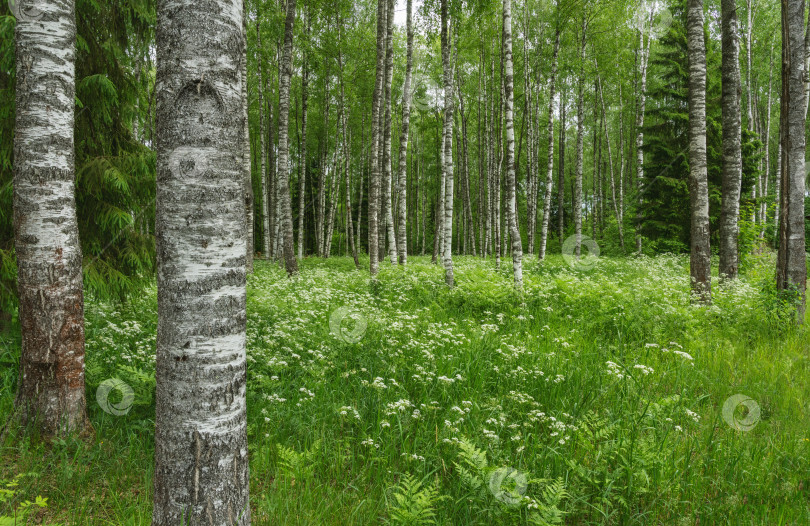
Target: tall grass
[{"x": 591, "y": 398}]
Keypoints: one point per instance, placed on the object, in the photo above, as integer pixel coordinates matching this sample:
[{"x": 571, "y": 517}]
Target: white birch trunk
[
  {"x": 201, "y": 454},
  {"x": 49, "y": 257},
  {"x": 700, "y": 256}
]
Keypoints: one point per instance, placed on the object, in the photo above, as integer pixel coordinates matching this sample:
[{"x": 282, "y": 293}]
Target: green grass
[{"x": 445, "y": 388}]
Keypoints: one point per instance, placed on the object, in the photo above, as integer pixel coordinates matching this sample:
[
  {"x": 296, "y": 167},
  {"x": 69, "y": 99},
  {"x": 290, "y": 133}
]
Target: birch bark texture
[
  {"x": 302, "y": 183},
  {"x": 580, "y": 142},
  {"x": 402, "y": 234},
  {"x": 447, "y": 161},
  {"x": 700, "y": 254},
  {"x": 248, "y": 175},
  {"x": 374, "y": 178},
  {"x": 511, "y": 183},
  {"x": 201, "y": 455},
  {"x": 732, "y": 146},
  {"x": 791, "y": 269},
  {"x": 49, "y": 258},
  {"x": 550, "y": 167},
  {"x": 388, "y": 174},
  {"x": 290, "y": 261}
]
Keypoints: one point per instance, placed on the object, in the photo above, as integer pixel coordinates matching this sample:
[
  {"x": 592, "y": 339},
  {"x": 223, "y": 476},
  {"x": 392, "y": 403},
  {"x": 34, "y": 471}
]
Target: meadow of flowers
[{"x": 595, "y": 396}]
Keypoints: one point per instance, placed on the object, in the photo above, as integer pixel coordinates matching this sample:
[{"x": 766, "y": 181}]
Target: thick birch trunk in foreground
[
  {"x": 201, "y": 455},
  {"x": 447, "y": 248},
  {"x": 791, "y": 269},
  {"x": 402, "y": 235},
  {"x": 700, "y": 258},
  {"x": 49, "y": 258},
  {"x": 285, "y": 199},
  {"x": 550, "y": 167},
  {"x": 732, "y": 146},
  {"x": 511, "y": 184}
]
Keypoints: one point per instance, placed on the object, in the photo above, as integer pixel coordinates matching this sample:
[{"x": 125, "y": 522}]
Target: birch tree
[
  {"x": 246, "y": 164},
  {"x": 302, "y": 182},
  {"x": 374, "y": 179},
  {"x": 263, "y": 143},
  {"x": 732, "y": 148},
  {"x": 644, "y": 56},
  {"x": 580, "y": 140},
  {"x": 447, "y": 161},
  {"x": 511, "y": 184},
  {"x": 49, "y": 257},
  {"x": 283, "y": 145},
  {"x": 201, "y": 453},
  {"x": 550, "y": 166},
  {"x": 402, "y": 177},
  {"x": 791, "y": 269},
  {"x": 700, "y": 255}
]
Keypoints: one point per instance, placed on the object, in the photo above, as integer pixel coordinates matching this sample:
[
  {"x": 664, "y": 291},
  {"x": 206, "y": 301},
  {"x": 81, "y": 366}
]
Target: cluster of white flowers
[
  {"x": 369, "y": 442},
  {"x": 615, "y": 370},
  {"x": 346, "y": 409},
  {"x": 643, "y": 369},
  {"x": 400, "y": 406}
]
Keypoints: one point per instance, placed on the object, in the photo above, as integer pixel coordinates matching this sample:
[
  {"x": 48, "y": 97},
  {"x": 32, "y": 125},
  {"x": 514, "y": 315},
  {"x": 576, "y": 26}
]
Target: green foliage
[
  {"x": 665, "y": 207},
  {"x": 115, "y": 168},
  {"x": 414, "y": 502},
  {"x": 298, "y": 466},
  {"x": 21, "y": 509},
  {"x": 604, "y": 388}
]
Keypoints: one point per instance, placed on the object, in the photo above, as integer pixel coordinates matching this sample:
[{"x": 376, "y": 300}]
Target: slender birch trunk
[
  {"x": 550, "y": 167},
  {"x": 49, "y": 257},
  {"x": 791, "y": 269},
  {"x": 447, "y": 252},
  {"x": 263, "y": 144},
  {"x": 511, "y": 185},
  {"x": 764, "y": 209},
  {"x": 283, "y": 144},
  {"x": 387, "y": 195},
  {"x": 302, "y": 181},
  {"x": 700, "y": 260},
  {"x": 732, "y": 146},
  {"x": 644, "y": 55},
  {"x": 748, "y": 54},
  {"x": 561, "y": 172},
  {"x": 201, "y": 453},
  {"x": 246, "y": 164},
  {"x": 616, "y": 208},
  {"x": 374, "y": 179},
  {"x": 402, "y": 178},
  {"x": 580, "y": 142}
]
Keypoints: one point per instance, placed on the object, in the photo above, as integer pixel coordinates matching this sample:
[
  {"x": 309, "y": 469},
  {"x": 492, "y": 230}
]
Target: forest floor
[{"x": 598, "y": 396}]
